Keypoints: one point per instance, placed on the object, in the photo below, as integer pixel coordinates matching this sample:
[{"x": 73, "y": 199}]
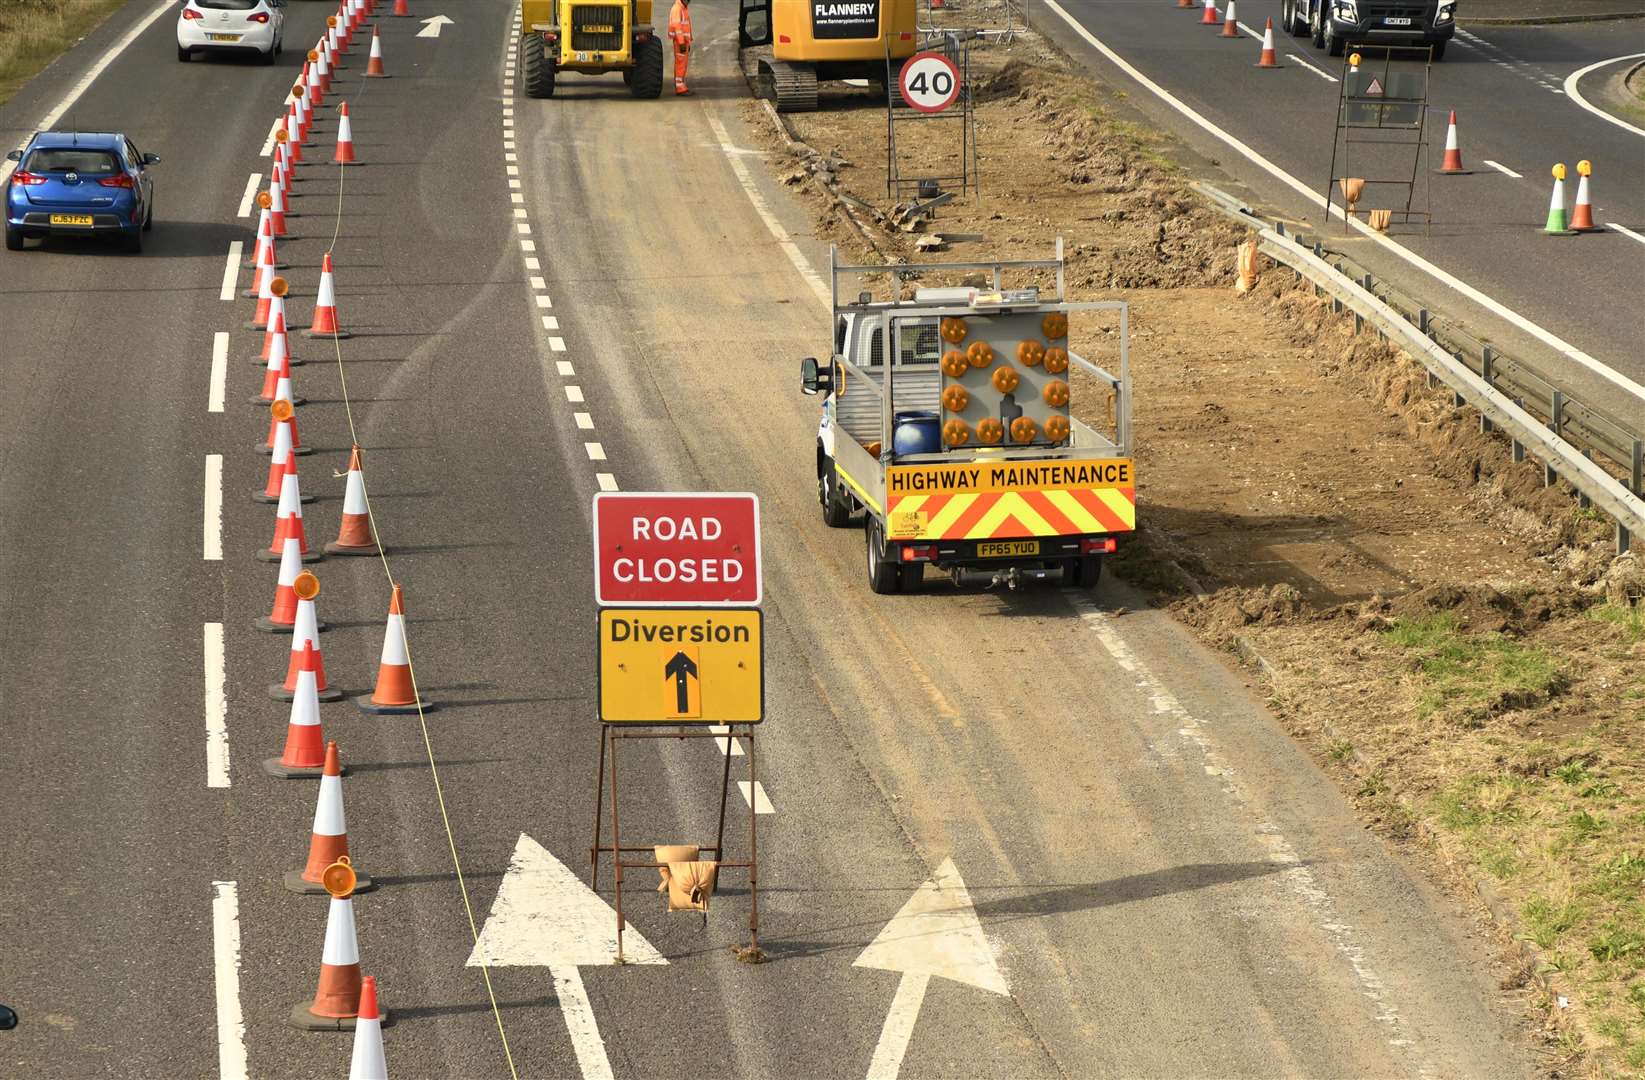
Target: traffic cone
[
  {"x": 277, "y": 210},
  {"x": 1557, "y": 220},
  {"x": 282, "y": 392},
  {"x": 288, "y": 517},
  {"x": 281, "y": 412},
  {"x": 306, "y": 630},
  {"x": 305, "y": 753},
  {"x": 394, "y": 692},
  {"x": 265, "y": 236},
  {"x": 294, "y": 136},
  {"x": 273, "y": 285},
  {"x": 1210, "y": 18},
  {"x": 1453, "y": 153},
  {"x": 277, "y": 380},
  {"x": 1185, "y": 3},
  {"x": 261, "y": 268},
  {"x": 325, "y": 305},
  {"x": 368, "y": 1062},
  {"x": 401, "y": 10},
  {"x": 1230, "y": 22},
  {"x": 1582, "y": 217},
  {"x": 1268, "y": 59},
  {"x": 322, "y": 70},
  {"x": 284, "y": 614},
  {"x": 374, "y": 61},
  {"x": 328, "y": 842},
  {"x": 345, "y": 140},
  {"x": 355, "y": 536},
  {"x": 337, "y": 998}
]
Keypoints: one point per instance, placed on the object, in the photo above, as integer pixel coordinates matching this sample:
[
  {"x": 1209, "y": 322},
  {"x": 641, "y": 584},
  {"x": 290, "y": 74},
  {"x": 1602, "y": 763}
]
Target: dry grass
[{"x": 33, "y": 33}]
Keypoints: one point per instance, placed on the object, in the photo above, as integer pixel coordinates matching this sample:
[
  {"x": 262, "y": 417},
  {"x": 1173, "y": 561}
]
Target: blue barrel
[{"x": 916, "y": 432}]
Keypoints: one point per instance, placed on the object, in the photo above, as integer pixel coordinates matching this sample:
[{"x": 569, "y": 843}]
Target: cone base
[
  {"x": 1559, "y": 232},
  {"x": 267, "y": 625},
  {"x": 311, "y": 555},
  {"x": 262, "y": 361},
  {"x": 294, "y": 883},
  {"x": 1587, "y": 228},
  {"x": 1453, "y": 172},
  {"x": 265, "y": 497},
  {"x": 253, "y": 324},
  {"x": 278, "y": 692},
  {"x": 273, "y": 767},
  {"x": 248, "y": 264},
  {"x": 327, "y": 334},
  {"x": 1270, "y": 66},
  {"x": 377, "y": 75},
  {"x": 348, "y": 163},
  {"x": 304, "y": 1020},
  {"x": 297, "y": 401},
  {"x": 366, "y": 705},
  {"x": 266, "y": 450},
  {"x": 334, "y": 548}
]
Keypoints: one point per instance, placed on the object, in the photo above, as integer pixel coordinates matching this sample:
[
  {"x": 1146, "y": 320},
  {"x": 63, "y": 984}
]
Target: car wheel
[
  {"x": 883, "y": 575},
  {"x": 132, "y": 241},
  {"x": 268, "y": 57},
  {"x": 1318, "y": 32},
  {"x": 1333, "y": 43},
  {"x": 183, "y": 55},
  {"x": 14, "y": 239},
  {"x": 1439, "y": 50},
  {"x": 148, "y": 218}
]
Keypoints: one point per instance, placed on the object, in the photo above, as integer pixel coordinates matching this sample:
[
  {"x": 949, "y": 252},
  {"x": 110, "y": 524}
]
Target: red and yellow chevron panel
[{"x": 1004, "y": 500}]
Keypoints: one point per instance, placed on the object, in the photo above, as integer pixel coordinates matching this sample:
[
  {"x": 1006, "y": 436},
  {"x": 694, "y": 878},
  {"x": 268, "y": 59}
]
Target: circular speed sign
[{"x": 929, "y": 82}]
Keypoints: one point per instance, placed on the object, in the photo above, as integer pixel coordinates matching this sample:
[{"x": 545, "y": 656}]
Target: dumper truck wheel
[
  {"x": 1083, "y": 572},
  {"x": 883, "y": 575},
  {"x": 836, "y": 504},
  {"x": 648, "y": 69},
  {"x": 536, "y": 67}
]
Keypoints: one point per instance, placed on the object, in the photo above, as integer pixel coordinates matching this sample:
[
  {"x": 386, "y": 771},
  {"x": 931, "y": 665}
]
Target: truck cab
[{"x": 1335, "y": 24}]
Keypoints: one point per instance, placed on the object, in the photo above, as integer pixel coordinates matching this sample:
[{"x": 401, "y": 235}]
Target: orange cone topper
[
  {"x": 328, "y": 842},
  {"x": 394, "y": 692},
  {"x": 304, "y": 754},
  {"x": 355, "y": 536}
]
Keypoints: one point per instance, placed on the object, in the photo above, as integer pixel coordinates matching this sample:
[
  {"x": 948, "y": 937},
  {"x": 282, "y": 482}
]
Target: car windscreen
[
  {"x": 227, "y": 5},
  {"x": 59, "y": 159}
]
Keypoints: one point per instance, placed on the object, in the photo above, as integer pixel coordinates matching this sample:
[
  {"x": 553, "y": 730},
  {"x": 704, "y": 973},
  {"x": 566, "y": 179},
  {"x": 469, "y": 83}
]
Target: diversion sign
[
  {"x": 833, "y": 19},
  {"x": 1010, "y": 499}
]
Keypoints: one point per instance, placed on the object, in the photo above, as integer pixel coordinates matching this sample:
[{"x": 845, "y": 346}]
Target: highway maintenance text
[{"x": 1009, "y": 476}]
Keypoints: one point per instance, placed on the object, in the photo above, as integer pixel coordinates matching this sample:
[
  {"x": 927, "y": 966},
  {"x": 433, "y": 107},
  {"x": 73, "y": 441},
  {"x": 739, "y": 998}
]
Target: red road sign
[
  {"x": 929, "y": 82},
  {"x": 677, "y": 549}
]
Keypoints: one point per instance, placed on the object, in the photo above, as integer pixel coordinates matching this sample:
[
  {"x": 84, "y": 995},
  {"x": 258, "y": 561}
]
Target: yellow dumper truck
[{"x": 557, "y": 36}]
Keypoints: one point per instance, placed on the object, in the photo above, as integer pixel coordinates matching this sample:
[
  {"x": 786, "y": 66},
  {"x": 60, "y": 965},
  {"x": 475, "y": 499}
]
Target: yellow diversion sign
[
  {"x": 1002, "y": 500},
  {"x": 681, "y": 666}
]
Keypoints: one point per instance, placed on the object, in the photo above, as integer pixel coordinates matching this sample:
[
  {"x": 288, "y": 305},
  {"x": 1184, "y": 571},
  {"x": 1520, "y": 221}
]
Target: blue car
[{"x": 77, "y": 183}]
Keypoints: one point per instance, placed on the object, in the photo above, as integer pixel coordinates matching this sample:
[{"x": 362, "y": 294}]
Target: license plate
[
  {"x": 71, "y": 219},
  {"x": 600, "y": 29},
  {"x": 223, "y": 37},
  {"x": 1396, "y": 22},
  {"x": 1005, "y": 549}
]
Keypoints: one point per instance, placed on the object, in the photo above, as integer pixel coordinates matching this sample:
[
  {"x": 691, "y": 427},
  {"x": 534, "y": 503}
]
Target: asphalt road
[
  {"x": 1167, "y": 885},
  {"x": 1507, "y": 87}
]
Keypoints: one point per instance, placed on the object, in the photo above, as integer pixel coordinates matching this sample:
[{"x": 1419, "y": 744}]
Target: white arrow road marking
[
  {"x": 544, "y": 916},
  {"x": 431, "y": 27},
  {"x": 936, "y": 933}
]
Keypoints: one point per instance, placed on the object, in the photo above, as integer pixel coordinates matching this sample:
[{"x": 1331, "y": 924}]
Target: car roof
[{"x": 92, "y": 140}]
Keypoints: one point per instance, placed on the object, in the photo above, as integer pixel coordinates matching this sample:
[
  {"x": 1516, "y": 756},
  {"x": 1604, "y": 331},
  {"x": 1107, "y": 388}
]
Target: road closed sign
[
  {"x": 929, "y": 82},
  {"x": 677, "y": 549}
]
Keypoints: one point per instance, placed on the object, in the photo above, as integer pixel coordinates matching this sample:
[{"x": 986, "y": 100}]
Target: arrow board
[
  {"x": 936, "y": 933},
  {"x": 544, "y": 916}
]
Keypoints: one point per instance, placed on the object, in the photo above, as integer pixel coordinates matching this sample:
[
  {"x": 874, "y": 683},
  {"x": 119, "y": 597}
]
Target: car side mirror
[
  {"x": 8, "y": 1019},
  {"x": 15, "y": 155},
  {"x": 151, "y": 159},
  {"x": 813, "y": 379}
]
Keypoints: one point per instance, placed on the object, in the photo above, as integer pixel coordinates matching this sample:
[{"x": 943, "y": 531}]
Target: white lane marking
[
  {"x": 514, "y": 182},
  {"x": 508, "y": 143},
  {"x": 544, "y": 301},
  {"x": 531, "y": 263},
  {"x": 1501, "y": 168},
  {"x": 564, "y": 368},
  {"x": 574, "y": 394},
  {"x": 519, "y": 212},
  {"x": 225, "y": 947},
  {"x": 512, "y": 157},
  {"x": 1297, "y": 875},
  {"x": 516, "y": 197},
  {"x": 66, "y": 102},
  {"x": 537, "y": 282},
  {"x": 268, "y": 144},
  {"x": 758, "y": 801},
  {"x": 584, "y": 421},
  {"x": 556, "y": 344},
  {"x": 511, "y": 170},
  {"x": 1314, "y": 198},
  {"x": 231, "y": 272},
  {"x": 1575, "y": 95},
  {"x": 251, "y": 193},
  {"x": 727, "y": 745},
  {"x": 1254, "y": 33},
  {"x": 211, "y": 544},
  {"x": 216, "y": 671},
  {"x": 1625, "y": 232},
  {"x": 1321, "y": 72},
  {"x": 219, "y": 372},
  {"x": 775, "y": 227},
  {"x": 595, "y": 451},
  {"x": 606, "y": 480},
  {"x": 522, "y": 228},
  {"x": 508, "y": 112},
  {"x": 528, "y": 245},
  {"x": 550, "y": 322}
]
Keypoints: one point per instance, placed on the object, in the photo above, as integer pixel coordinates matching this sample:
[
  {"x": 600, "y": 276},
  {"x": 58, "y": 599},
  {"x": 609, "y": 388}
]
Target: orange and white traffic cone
[
  {"x": 294, "y": 135},
  {"x": 262, "y": 268},
  {"x": 401, "y": 10},
  {"x": 277, "y": 210},
  {"x": 305, "y": 630},
  {"x": 1582, "y": 214},
  {"x": 394, "y": 692},
  {"x": 329, "y": 840},
  {"x": 305, "y": 751},
  {"x": 367, "y": 1061},
  {"x": 1210, "y": 18},
  {"x": 273, "y": 285},
  {"x": 264, "y": 249},
  {"x": 344, "y": 154},
  {"x": 325, "y": 305},
  {"x": 336, "y": 1001},
  {"x": 284, "y": 614},
  {"x": 1453, "y": 151},
  {"x": 374, "y": 62},
  {"x": 1185, "y": 3},
  {"x": 277, "y": 387},
  {"x": 276, "y": 330},
  {"x": 300, "y": 110},
  {"x": 281, "y": 412},
  {"x": 355, "y": 536},
  {"x": 1230, "y": 22},
  {"x": 322, "y": 69},
  {"x": 1268, "y": 59},
  {"x": 288, "y": 516}
]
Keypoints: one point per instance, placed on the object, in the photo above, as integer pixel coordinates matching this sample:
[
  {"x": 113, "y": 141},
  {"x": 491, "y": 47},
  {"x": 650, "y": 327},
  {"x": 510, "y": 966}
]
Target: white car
[{"x": 231, "y": 26}]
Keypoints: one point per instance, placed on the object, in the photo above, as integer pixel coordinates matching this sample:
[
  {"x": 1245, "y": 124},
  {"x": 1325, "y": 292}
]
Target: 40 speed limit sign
[{"x": 929, "y": 82}]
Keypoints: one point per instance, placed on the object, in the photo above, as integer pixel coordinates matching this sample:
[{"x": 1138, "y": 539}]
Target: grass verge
[{"x": 33, "y": 33}]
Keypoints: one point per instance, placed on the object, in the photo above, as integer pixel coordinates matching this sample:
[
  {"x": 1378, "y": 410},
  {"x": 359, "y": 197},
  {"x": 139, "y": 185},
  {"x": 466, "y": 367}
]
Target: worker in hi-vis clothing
[{"x": 679, "y": 31}]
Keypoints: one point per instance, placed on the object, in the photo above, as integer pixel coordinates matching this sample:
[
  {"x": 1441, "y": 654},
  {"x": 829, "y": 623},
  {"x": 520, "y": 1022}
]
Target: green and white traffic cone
[{"x": 1558, "y": 216}]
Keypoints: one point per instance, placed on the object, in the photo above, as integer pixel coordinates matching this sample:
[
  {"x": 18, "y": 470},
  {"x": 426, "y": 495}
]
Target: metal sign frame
[
  {"x": 956, "y": 47},
  {"x": 1369, "y": 120}
]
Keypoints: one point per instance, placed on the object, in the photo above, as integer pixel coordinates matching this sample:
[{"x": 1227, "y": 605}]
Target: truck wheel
[
  {"x": 1333, "y": 43},
  {"x": 1439, "y": 50},
  {"x": 836, "y": 505},
  {"x": 647, "y": 82},
  {"x": 1316, "y": 17},
  {"x": 1294, "y": 23},
  {"x": 1083, "y": 572},
  {"x": 911, "y": 577},
  {"x": 883, "y": 575},
  {"x": 536, "y": 67}
]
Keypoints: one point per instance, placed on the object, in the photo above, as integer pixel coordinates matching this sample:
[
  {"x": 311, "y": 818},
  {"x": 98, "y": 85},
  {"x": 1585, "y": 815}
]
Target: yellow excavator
[
  {"x": 791, "y": 44},
  {"x": 591, "y": 38}
]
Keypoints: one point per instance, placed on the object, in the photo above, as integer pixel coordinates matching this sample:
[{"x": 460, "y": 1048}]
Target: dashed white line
[
  {"x": 727, "y": 745},
  {"x": 268, "y": 143},
  {"x": 1501, "y": 168},
  {"x": 219, "y": 372},
  {"x": 211, "y": 544},
  {"x": 225, "y": 947},
  {"x": 528, "y": 245},
  {"x": 584, "y": 421},
  {"x": 519, "y": 212},
  {"x": 556, "y": 344},
  {"x": 594, "y": 450},
  {"x": 564, "y": 368},
  {"x": 512, "y": 157},
  {"x": 216, "y": 684},
  {"x": 550, "y": 322},
  {"x": 231, "y": 272},
  {"x": 544, "y": 301},
  {"x": 1321, "y": 72},
  {"x": 574, "y": 394},
  {"x": 251, "y": 193},
  {"x": 516, "y": 198},
  {"x": 757, "y": 800},
  {"x": 606, "y": 481},
  {"x": 523, "y": 228},
  {"x": 513, "y": 183},
  {"x": 537, "y": 282},
  {"x": 531, "y": 263},
  {"x": 1629, "y": 233},
  {"x": 511, "y": 170}
]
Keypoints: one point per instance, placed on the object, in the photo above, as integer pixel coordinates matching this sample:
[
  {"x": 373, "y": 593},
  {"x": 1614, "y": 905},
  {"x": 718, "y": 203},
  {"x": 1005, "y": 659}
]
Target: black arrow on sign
[{"x": 680, "y": 668}]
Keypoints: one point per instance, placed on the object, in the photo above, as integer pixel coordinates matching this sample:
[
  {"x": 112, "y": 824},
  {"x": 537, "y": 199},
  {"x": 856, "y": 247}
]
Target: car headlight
[{"x": 1347, "y": 10}]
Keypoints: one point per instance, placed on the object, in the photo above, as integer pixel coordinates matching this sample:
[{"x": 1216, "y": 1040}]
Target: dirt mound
[
  {"x": 1479, "y": 607},
  {"x": 1227, "y": 611}
]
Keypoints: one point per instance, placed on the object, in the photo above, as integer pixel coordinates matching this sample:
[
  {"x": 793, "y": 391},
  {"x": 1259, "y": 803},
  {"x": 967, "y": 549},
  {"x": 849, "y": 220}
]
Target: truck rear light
[
  {"x": 916, "y": 552},
  {"x": 1103, "y": 545},
  {"x": 120, "y": 180},
  {"x": 257, "y": 17},
  {"x": 27, "y": 179}
]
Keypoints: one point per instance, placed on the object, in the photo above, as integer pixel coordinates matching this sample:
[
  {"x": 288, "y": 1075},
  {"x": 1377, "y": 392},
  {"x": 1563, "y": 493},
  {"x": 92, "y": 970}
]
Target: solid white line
[
  {"x": 1625, "y": 232},
  {"x": 775, "y": 227},
  {"x": 1576, "y": 95},
  {"x": 898, "y": 1030},
  {"x": 1314, "y": 198},
  {"x": 585, "y": 422},
  {"x": 606, "y": 480},
  {"x": 216, "y": 707},
  {"x": 1321, "y": 72},
  {"x": 564, "y": 368},
  {"x": 219, "y": 371},
  {"x": 225, "y": 947},
  {"x": 574, "y": 394},
  {"x": 580, "y": 1022},
  {"x": 1501, "y": 168},
  {"x": 231, "y": 272},
  {"x": 251, "y": 193},
  {"x": 212, "y": 544},
  {"x": 595, "y": 451},
  {"x": 66, "y": 102},
  {"x": 759, "y": 802}
]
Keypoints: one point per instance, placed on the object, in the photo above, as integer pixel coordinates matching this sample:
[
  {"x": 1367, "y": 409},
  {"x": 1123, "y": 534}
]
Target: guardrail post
[
  {"x": 1582, "y": 500},
  {"x": 1622, "y": 539},
  {"x": 1557, "y": 424},
  {"x": 1639, "y": 467},
  {"x": 1422, "y": 322},
  {"x": 1487, "y": 360}
]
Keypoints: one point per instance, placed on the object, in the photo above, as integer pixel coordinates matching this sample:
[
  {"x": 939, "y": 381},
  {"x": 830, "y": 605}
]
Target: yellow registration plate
[
  {"x": 599, "y": 29},
  {"x": 71, "y": 219},
  {"x": 223, "y": 37},
  {"x": 1006, "y": 548}
]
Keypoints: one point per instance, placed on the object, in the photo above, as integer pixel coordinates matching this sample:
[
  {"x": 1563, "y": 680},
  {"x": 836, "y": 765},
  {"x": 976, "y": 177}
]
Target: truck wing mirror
[{"x": 813, "y": 379}]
